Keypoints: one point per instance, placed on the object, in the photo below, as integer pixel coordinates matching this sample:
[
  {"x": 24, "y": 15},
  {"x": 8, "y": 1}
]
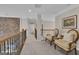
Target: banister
[
  {"x": 3, "y": 38},
  {"x": 8, "y": 42},
  {"x": 8, "y": 36}
]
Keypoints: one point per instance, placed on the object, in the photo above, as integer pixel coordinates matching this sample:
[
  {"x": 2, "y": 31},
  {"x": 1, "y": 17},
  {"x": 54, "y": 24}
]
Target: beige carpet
[{"x": 38, "y": 47}]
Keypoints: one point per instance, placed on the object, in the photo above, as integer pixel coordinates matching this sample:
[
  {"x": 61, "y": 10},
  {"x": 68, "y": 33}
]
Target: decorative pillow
[{"x": 68, "y": 37}]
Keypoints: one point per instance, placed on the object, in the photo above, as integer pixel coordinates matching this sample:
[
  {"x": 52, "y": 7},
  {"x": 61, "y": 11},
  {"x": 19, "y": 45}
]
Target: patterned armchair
[{"x": 68, "y": 43}]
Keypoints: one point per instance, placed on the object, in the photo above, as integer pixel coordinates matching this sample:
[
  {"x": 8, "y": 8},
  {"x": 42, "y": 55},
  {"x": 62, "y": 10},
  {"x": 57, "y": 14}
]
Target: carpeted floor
[{"x": 38, "y": 47}]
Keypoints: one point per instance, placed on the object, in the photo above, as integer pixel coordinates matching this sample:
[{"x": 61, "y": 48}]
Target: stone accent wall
[{"x": 9, "y": 25}]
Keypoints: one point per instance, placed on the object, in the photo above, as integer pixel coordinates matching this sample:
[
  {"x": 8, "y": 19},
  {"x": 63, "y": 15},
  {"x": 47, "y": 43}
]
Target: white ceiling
[{"x": 22, "y": 9}]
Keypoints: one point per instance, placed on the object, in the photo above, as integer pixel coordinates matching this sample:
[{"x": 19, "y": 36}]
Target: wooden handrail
[{"x": 3, "y": 38}]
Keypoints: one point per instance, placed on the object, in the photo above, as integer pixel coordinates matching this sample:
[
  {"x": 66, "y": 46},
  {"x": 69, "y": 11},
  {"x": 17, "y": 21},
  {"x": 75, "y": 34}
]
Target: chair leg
[
  {"x": 50, "y": 43},
  {"x": 66, "y": 52},
  {"x": 45, "y": 39},
  {"x": 75, "y": 51},
  {"x": 55, "y": 46}
]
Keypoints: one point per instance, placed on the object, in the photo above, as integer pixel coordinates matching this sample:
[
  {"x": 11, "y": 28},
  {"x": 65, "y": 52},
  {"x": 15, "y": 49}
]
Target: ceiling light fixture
[{"x": 29, "y": 10}]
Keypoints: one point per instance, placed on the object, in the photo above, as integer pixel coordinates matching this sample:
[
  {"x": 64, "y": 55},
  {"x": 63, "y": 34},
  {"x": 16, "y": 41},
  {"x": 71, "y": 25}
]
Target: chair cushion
[
  {"x": 64, "y": 44},
  {"x": 49, "y": 37},
  {"x": 68, "y": 37},
  {"x": 74, "y": 34}
]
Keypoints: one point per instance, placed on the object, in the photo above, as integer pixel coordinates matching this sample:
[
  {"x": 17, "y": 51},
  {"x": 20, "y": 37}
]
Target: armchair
[
  {"x": 68, "y": 44},
  {"x": 51, "y": 37}
]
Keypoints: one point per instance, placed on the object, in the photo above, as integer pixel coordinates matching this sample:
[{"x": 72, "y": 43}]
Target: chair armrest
[
  {"x": 58, "y": 38},
  {"x": 55, "y": 38},
  {"x": 70, "y": 44},
  {"x": 61, "y": 37}
]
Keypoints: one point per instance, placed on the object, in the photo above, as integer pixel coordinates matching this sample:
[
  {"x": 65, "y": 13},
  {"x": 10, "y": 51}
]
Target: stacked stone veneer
[{"x": 9, "y": 25}]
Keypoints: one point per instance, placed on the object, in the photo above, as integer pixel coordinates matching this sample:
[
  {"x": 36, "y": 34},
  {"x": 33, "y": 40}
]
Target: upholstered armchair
[
  {"x": 68, "y": 42},
  {"x": 51, "y": 37}
]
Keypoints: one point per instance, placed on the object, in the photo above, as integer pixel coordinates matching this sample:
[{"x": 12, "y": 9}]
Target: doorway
[{"x": 33, "y": 31}]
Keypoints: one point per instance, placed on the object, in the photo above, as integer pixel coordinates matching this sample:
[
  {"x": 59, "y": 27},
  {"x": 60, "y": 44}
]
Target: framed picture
[{"x": 70, "y": 22}]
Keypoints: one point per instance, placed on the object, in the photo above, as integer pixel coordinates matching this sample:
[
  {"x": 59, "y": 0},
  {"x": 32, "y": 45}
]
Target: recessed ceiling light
[{"x": 29, "y": 10}]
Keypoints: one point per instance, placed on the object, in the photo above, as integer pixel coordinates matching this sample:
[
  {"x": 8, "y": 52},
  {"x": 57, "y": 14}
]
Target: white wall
[
  {"x": 59, "y": 18},
  {"x": 49, "y": 21},
  {"x": 48, "y": 24},
  {"x": 23, "y": 24}
]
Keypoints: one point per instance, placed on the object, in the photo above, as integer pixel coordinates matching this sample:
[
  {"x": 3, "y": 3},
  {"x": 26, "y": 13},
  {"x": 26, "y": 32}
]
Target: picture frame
[{"x": 70, "y": 22}]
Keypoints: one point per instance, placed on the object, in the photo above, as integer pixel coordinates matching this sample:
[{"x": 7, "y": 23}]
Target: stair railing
[{"x": 13, "y": 43}]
